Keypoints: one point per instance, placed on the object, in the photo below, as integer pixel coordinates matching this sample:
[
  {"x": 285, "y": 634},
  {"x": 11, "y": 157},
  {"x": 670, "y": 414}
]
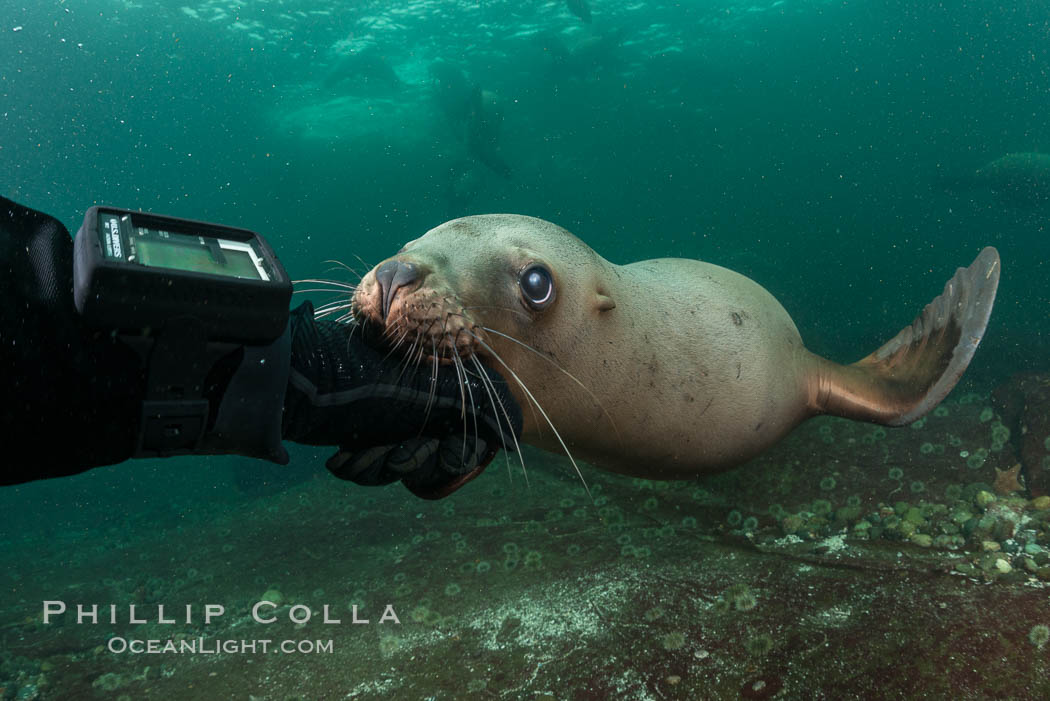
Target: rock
[
  {"x": 273, "y": 596},
  {"x": 792, "y": 524},
  {"x": 29, "y": 692},
  {"x": 849, "y": 514},
  {"x": 1024, "y": 403},
  {"x": 109, "y": 681}
]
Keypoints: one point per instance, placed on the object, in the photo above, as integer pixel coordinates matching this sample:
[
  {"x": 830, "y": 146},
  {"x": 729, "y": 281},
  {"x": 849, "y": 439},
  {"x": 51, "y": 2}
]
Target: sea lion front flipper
[{"x": 910, "y": 374}]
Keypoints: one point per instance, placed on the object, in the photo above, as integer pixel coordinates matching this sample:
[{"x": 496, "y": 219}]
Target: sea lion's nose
[{"x": 392, "y": 276}]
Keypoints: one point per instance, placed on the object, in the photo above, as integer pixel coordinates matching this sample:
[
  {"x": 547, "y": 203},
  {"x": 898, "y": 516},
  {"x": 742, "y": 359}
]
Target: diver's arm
[
  {"x": 391, "y": 421},
  {"x": 72, "y": 397},
  {"x": 67, "y": 395}
]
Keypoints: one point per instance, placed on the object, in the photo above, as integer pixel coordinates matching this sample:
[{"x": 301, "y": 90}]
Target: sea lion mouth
[{"x": 422, "y": 327}]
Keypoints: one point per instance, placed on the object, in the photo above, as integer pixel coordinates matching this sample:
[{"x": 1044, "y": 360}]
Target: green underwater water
[{"x": 804, "y": 144}]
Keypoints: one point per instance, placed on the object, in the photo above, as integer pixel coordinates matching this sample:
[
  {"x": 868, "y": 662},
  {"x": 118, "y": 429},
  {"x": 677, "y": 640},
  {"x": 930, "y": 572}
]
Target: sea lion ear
[{"x": 602, "y": 301}]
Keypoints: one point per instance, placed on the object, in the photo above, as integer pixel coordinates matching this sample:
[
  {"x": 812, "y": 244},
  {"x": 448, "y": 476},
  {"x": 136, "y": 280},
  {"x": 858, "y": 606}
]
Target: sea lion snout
[
  {"x": 391, "y": 276},
  {"x": 411, "y": 305}
]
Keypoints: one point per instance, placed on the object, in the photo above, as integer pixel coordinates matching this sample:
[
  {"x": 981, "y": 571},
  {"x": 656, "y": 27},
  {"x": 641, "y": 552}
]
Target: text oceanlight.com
[{"x": 204, "y": 646}]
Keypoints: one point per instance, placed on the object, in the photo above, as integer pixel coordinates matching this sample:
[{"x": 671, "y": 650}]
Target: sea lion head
[{"x": 484, "y": 286}]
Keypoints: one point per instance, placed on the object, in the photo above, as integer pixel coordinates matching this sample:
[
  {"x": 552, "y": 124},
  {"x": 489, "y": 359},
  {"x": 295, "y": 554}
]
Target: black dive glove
[
  {"x": 77, "y": 393},
  {"x": 392, "y": 422}
]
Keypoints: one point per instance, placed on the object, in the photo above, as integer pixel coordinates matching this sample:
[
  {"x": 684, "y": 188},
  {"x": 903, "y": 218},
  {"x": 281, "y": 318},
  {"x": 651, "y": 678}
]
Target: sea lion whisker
[
  {"x": 462, "y": 381},
  {"x": 395, "y": 344},
  {"x": 325, "y": 313},
  {"x": 414, "y": 354},
  {"x": 406, "y": 360},
  {"x": 473, "y": 405},
  {"x": 367, "y": 266},
  {"x": 404, "y": 333},
  {"x": 498, "y": 308},
  {"x": 565, "y": 372},
  {"x": 444, "y": 326},
  {"x": 495, "y": 401},
  {"x": 338, "y": 284},
  {"x": 473, "y": 409},
  {"x": 420, "y": 353},
  {"x": 330, "y": 308},
  {"x": 341, "y": 264},
  {"x": 433, "y": 381},
  {"x": 532, "y": 398},
  {"x": 535, "y": 418},
  {"x": 347, "y": 268},
  {"x": 341, "y": 302},
  {"x": 346, "y": 318},
  {"x": 340, "y": 298},
  {"x": 403, "y": 363},
  {"x": 463, "y": 403},
  {"x": 400, "y": 326}
]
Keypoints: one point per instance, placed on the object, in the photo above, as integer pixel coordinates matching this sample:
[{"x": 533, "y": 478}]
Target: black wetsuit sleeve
[{"x": 70, "y": 397}]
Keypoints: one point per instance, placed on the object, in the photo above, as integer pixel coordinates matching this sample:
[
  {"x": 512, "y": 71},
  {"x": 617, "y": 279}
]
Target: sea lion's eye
[{"x": 537, "y": 286}]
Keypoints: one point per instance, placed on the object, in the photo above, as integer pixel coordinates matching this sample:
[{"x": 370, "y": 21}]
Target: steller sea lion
[{"x": 664, "y": 368}]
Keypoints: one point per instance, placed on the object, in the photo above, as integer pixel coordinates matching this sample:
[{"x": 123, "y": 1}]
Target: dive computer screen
[
  {"x": 124, "y": 241},
  {"x": 135, "y": 271}
]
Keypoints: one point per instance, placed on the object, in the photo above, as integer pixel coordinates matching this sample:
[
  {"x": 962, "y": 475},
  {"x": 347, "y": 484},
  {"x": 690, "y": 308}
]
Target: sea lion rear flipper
[{"x": 910, "y": 374}]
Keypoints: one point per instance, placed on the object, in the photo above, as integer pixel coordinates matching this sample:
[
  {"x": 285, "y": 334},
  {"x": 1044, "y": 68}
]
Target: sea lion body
[
  {"x": 701, "y": 369},
  {"x": 665, "y": 368}
]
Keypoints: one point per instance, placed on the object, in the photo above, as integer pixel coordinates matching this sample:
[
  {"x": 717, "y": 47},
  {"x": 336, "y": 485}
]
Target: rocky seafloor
[{"x": 850, "y": 561}]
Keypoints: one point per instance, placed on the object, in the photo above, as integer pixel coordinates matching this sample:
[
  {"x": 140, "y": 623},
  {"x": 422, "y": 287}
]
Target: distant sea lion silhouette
[
  {"x": 1017, "y": 178},
  {"x": 584, "y": 56},
  {"x": 473, "y": 114},
  {"x": 666, "y": 368},
  {"x": 452, "y": 92},
  {"x": 483, "y": 130},
  {"x": 581, "y": 9},
  {"x": 366, "y": 70}
]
